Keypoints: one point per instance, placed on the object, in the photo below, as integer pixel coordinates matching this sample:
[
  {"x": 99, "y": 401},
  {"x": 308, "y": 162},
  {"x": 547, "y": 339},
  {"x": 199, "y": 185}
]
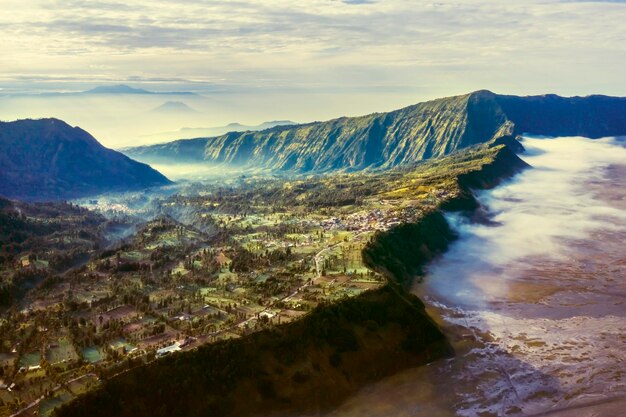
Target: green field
[
  {"x": 30, "y": 359},
  {"x": 93, "y": 354}
]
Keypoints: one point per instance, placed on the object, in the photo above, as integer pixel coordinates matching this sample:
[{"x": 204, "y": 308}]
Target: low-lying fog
[
  {"x": 537, "y": 214},
  {"x": 125, "y": 120},
  {"x": 533, "y": 301},
  {"x": 200, "y": 171}
]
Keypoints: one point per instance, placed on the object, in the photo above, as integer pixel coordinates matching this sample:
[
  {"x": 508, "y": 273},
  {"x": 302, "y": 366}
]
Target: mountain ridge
[
  {"x": 116, "y": 89},
  {"x": 383, "y": 140},
  {"x": 119, "y": 89},
  {"x": 47, "y": 159},
  {"x": 126, "y": 89}
]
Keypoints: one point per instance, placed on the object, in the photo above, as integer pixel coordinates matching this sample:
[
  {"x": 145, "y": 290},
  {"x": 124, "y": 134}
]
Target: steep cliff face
[
  {"x": 418, "y": 132},
  {"x": 401, "y": 252},
  {"x": 551, "y": 115},
  {"x": 384, "y": 140},
  {"x": 47, "y": 160}
]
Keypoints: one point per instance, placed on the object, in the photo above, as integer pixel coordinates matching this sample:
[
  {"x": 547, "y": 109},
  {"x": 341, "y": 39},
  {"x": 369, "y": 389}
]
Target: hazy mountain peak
[
  {"x": 125, "y": 89},
  {"x": 173, "y": 107}
]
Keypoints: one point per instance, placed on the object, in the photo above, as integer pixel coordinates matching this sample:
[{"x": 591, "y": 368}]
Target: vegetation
[
  {"x": 47, "y": 159},
  {"x": 311, "y": 363},
  {"x": 412, "y": 134},
  {"x": 39, "y": 241},
  {"x": 402, "y": 251},
  {"x": 237, "y": 269}
]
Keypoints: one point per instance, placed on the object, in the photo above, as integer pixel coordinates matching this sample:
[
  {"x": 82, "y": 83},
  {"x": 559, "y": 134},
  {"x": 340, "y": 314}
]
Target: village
[
  {"x": 173, "y": 289},
  {"x": 208, "y": 266}
]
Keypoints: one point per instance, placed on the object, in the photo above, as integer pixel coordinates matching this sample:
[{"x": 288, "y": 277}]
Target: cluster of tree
[
  {"x": 404, "y": 250},
  {"x": 245, "y": 261},
  {"x": 21, "y": 224},
  {"x": 276, "y": 285},
  {"x": 293, "y": 366}
]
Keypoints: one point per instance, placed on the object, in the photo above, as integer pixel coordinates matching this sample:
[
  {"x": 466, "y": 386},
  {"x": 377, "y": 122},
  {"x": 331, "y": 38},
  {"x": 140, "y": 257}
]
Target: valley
[
  {"x": 327, "y": 208},
  {"x": 107, "y": 297},
  {"x": 213, "y": 265}
]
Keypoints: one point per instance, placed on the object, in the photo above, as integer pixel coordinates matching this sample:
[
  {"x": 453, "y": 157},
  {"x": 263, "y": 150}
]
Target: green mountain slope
[
  {"x": 418, "y": 132},
  {"x": 426, "y": 130},
  {"x": 49, "y": 160}
]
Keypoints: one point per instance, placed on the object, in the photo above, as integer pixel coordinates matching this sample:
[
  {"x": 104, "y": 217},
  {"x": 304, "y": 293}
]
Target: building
[{"x": 168, "y": 349}]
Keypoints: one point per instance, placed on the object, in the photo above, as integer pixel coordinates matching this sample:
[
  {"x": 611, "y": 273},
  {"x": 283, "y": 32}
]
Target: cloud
[
  {"x": 534, "y": 46},
  {"x": 537, "y": 216},
  {"x": 357, "y": 1}
]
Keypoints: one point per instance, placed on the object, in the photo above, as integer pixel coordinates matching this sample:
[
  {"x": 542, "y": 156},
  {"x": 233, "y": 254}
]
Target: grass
[
  {"x": 93, "y": 354},
  {"x": 30, "y": 359},
  {"x": 63, "y": 352},
  {"x": 47, "y": 406}
]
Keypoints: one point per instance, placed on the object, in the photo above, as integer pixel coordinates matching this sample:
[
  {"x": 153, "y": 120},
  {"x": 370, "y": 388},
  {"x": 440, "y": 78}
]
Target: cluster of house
[
  {"x": 175, "y": 347},
  {"x": 364, "y": 221},
  {"x": 9, "y": 387}
]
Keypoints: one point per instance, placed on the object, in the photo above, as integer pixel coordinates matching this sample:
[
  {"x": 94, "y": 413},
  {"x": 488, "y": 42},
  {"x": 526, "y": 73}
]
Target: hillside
[
  {"x": 422, "y": 131},
  {"x": 309, "y": 364},
  {"x": 48, "y": 160}
]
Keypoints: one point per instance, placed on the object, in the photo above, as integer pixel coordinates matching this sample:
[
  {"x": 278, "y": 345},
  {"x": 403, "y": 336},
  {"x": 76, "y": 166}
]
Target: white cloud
[
  {"x": 433, "y": 49},
  {"x": 537, "y": 215}
]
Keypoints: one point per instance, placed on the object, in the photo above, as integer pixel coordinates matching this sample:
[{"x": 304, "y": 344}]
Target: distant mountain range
[
  {"x": 47, "y": 159},
  {"x": 384, "y": 140},
  {"x": 195, "y": 132},
  {"x": 124, "y": 89},
  {"x": 110, "y": 90},
  {"x": 117, "y": 89}
]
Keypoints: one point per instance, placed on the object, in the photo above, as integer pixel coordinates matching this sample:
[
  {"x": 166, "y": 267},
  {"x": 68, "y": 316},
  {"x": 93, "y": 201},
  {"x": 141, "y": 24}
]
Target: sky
[{"x": 314, "y": 59}]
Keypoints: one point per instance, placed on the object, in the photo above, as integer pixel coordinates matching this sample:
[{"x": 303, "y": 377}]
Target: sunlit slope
[{"x": 422, "y": 131}]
